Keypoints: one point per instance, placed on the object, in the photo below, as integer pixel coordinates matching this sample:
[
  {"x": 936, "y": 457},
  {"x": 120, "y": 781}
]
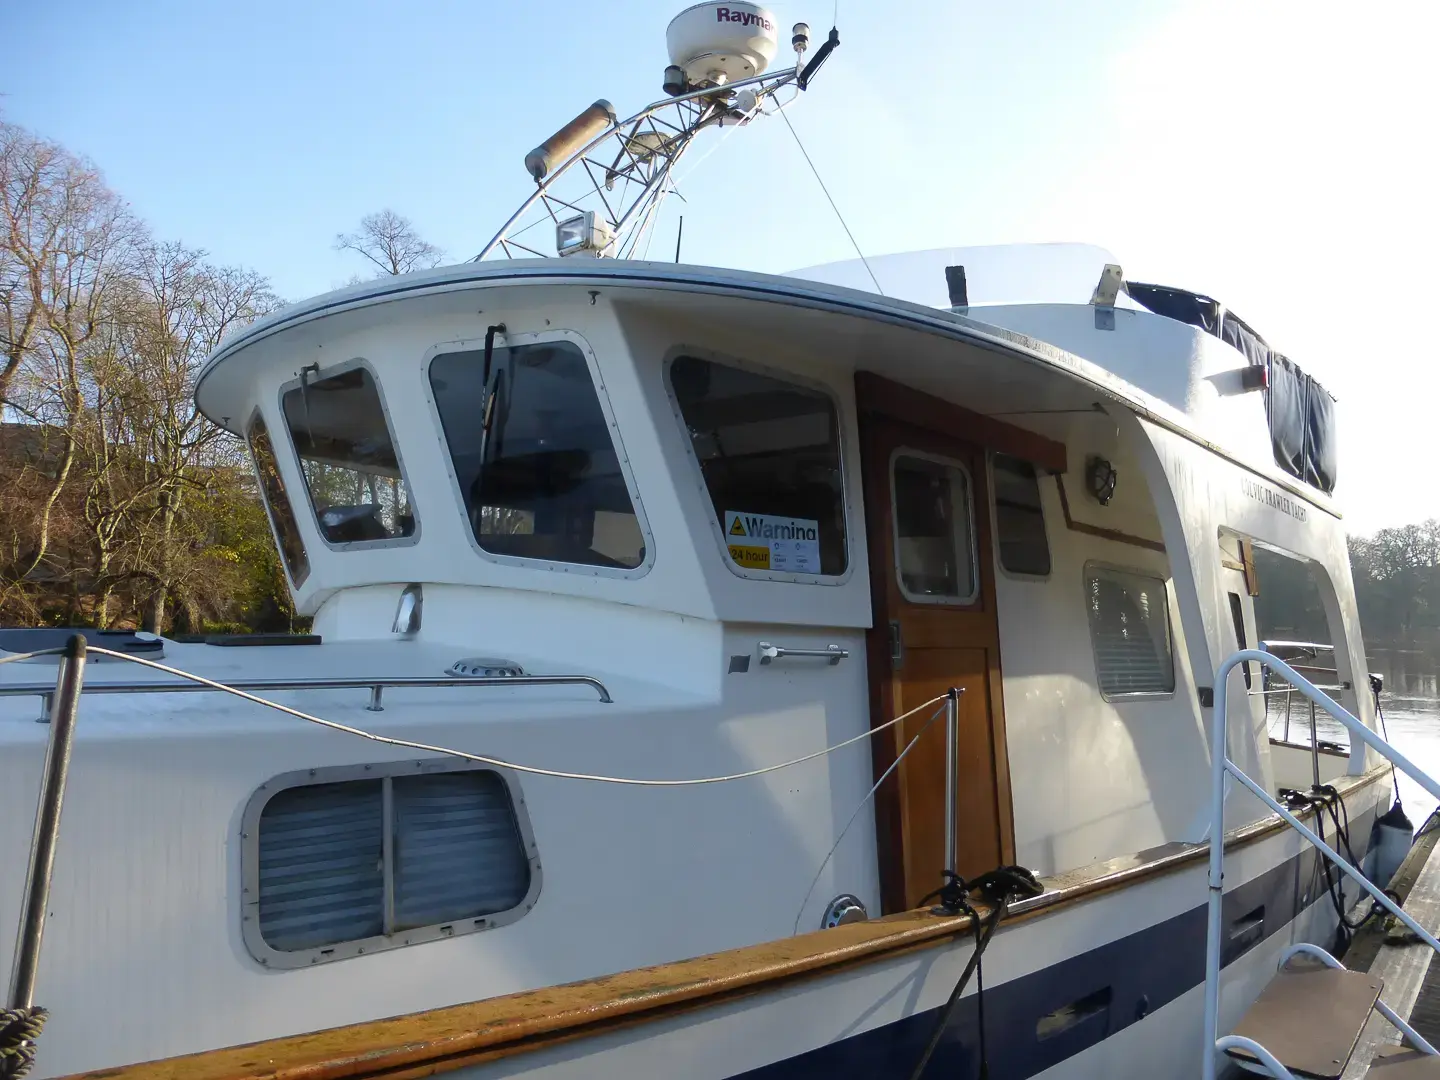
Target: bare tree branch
[{"x": 391, "y": 244}]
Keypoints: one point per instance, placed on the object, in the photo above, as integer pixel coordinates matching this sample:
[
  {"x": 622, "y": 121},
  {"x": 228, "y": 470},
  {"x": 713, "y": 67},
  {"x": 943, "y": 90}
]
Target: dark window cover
[{"x": 1300, "y": 410}]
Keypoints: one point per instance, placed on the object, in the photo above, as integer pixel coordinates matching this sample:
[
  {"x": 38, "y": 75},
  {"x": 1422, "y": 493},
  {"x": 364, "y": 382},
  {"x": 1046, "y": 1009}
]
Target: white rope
[
  {"x": 500, "y": 762},
  {"x": 31, "y": 655},
  {"x": 795, "y": 929}
]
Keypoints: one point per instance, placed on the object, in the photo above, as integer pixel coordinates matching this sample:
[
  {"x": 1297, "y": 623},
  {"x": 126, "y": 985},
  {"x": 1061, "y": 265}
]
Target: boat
[{"x": 712, "y": 673}]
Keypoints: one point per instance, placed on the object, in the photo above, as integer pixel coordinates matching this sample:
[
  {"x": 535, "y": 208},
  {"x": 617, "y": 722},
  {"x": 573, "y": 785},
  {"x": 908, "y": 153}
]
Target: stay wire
[
  {"x": 839, "y": 216},
  {"x": 501, "y": 763},
  {"x": 795, "y": 929}
]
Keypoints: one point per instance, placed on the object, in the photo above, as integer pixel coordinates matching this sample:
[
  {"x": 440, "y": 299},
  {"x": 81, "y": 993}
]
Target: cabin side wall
[{"x": 1093, "y": 778}]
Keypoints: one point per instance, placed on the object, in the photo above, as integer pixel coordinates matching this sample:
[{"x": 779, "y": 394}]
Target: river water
[{"x": 1410, "y": 702}]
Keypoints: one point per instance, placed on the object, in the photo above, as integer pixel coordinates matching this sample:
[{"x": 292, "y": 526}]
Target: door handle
[{"x": 832, "y": 654}]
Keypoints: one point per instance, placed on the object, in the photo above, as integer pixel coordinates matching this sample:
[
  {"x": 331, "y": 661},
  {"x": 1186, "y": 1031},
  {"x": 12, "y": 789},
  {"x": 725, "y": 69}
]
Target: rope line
[
  {"x": 19, "y": 1028},
  {"x": 501, "y": 762},
  {"x": 13, "y": 657}
]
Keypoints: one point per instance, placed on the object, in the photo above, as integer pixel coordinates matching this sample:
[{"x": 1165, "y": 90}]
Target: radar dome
[{"x": 717, "y": 43}]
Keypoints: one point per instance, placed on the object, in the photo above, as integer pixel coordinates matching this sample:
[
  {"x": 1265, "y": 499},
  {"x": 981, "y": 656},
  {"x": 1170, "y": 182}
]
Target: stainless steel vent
[
  {"x": 347, "y": 860},
  {"x": 484, "y": 667}
]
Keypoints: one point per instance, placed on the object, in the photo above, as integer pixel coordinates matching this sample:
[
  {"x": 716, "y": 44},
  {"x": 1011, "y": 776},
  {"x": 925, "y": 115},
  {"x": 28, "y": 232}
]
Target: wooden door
[{"x": 932, "y": 578}]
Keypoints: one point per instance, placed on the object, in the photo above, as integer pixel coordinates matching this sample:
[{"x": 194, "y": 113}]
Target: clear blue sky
[{"x": 1276, "y": 155}]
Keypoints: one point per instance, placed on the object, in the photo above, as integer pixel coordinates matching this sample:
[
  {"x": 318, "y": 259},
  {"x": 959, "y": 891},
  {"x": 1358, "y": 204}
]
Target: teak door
[{"x": 932, "y": 579}]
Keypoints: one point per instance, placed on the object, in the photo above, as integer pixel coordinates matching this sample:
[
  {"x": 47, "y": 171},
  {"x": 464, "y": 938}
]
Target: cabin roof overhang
[{"x": 622, "y": 279}]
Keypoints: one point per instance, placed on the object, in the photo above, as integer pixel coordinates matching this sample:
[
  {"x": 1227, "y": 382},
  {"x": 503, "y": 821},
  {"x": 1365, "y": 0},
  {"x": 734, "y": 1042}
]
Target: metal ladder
[{"x": 1328, "y": 985}]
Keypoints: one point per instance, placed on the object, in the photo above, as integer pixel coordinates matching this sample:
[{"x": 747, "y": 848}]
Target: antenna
[{"x": 600, "y": 180}]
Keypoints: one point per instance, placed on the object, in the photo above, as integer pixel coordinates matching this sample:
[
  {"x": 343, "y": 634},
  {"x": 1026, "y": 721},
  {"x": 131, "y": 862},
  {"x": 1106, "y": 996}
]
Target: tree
[
  {"x": 391, "y": 244},
  {"x": 119, "y": 502},
  {"x": 177, "y": 309},
  {"x": 66, "y": 241}
]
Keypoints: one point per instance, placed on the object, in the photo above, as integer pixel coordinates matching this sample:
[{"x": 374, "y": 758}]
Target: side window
[
  {"x": 539, "y": 474},
  {"x": 277, "y": 504},
  {"x": 769, "y": 451},
  {"x": 1130, "y": 631},
  {"x": 934, "y": 533},
  {"x": 340, "y": 867},
  {"x": 1019, "y": 519},
  {"x": 347, "y": 454}
]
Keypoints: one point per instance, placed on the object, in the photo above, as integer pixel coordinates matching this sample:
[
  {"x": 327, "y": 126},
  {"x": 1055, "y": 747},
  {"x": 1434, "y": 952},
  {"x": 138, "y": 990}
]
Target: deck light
[
  {"x": 1100, "y": 479},
  {"x": 584, "y": 234}
]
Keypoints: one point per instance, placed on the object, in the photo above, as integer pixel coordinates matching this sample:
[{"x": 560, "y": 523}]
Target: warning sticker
[{"x": 766, "y": 542}]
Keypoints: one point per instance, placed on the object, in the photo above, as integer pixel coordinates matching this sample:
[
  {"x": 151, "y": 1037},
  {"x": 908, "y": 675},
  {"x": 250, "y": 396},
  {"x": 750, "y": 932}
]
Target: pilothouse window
[
  {"x": 277, "y": 504},
  {"x": 348, "y": 458},
  {"x": 544, "y": 480},
  {"x": 770, "y": 454}
]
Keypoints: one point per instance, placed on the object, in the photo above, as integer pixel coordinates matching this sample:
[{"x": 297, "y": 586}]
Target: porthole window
[
  {"x": 351, "y": 860},
  {"x": 1130, "y": 630}
]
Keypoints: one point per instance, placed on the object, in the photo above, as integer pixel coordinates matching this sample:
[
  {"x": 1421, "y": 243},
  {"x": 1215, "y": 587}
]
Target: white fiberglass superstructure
[{"x": 569, "y": 521}]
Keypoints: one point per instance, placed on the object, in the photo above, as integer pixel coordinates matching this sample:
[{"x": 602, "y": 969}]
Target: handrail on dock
[{"x": 1221, "y": 766}]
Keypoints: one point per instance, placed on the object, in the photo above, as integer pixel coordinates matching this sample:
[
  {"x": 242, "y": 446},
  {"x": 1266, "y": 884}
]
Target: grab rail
[
  {"x": 1220, "y": 765},
  {"x": 46, "y": 691}
]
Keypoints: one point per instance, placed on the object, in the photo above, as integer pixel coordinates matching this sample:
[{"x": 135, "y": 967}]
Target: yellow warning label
[
  {"x": 737, "y": 527},
  {"x": 752, "y": 558}
]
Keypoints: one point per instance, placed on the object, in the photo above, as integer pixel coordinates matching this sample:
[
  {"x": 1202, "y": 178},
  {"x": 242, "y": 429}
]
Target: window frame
[
  {"x": 973, "y": 597},
  {"x": 353, "y": 545},
  {"x": 1019, "y": 575},
  {"x": 602, "y": 394},
  {"x": 295, "y": 582},
  {"x": 250, "y": 932},
  {"x": 1165, "y": 582},
  {"x": 717, "y": 528}
]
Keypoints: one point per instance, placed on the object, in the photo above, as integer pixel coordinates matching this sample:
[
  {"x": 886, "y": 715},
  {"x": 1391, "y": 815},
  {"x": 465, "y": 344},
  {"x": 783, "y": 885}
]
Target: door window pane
[
  {"x": 934, "y": 542},
  {"x": 347, "y": 455},
  {"x": 277, "y": 504},
  {"x": 1019, "y": 520},
  {"x": 1130, "y": 629},
  {"x": 770, "y": 454},
  {"x": 544, "y": 481}
]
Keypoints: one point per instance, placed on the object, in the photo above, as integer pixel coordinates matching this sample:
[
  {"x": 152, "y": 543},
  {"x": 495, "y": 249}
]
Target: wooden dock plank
[{"x": 1412, "y": 981}]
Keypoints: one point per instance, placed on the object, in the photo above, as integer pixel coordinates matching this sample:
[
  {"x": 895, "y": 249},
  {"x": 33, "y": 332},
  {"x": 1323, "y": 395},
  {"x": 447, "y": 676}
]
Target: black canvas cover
[
  {"x": 1320, "y": 453},
  {"x": 1236, "y": 332},
  {"x": 1300, "y": 410},
  {"x": 1285, "y": 405},
  {"x": 1177, "y": 304}
]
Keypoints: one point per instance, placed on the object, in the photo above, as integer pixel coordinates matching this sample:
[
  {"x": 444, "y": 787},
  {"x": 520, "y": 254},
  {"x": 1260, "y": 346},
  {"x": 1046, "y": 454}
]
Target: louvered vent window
[
  {"x": 1130, "y": 629},
  {"x": 356, "y": 865}
]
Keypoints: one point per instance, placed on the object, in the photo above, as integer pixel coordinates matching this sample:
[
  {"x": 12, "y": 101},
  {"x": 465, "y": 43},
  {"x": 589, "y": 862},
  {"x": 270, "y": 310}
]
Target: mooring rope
[
  {"x": 19, "y": 1028},
  {"x": 501, "y": 763}
]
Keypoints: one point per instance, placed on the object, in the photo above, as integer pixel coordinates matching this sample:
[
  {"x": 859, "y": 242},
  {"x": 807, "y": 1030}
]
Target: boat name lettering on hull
[{"x": 1274, "y": 499}]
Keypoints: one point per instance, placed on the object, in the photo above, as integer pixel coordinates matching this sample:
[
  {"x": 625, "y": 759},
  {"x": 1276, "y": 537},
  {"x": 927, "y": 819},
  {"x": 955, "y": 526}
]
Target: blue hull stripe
[{"x": 1117, "y": 985}]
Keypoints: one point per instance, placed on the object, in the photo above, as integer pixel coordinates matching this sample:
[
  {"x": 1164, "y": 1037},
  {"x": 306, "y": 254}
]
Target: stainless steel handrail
[
  {"x": 46, "y": 690},
  {"x": 1222, "y": 767}
]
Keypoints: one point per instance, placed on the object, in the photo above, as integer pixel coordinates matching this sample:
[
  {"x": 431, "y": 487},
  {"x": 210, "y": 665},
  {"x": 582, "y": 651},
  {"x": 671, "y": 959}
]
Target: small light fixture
[
  {"x": 1100, "y": 480},
  {"x": 584, "y": 234}
]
